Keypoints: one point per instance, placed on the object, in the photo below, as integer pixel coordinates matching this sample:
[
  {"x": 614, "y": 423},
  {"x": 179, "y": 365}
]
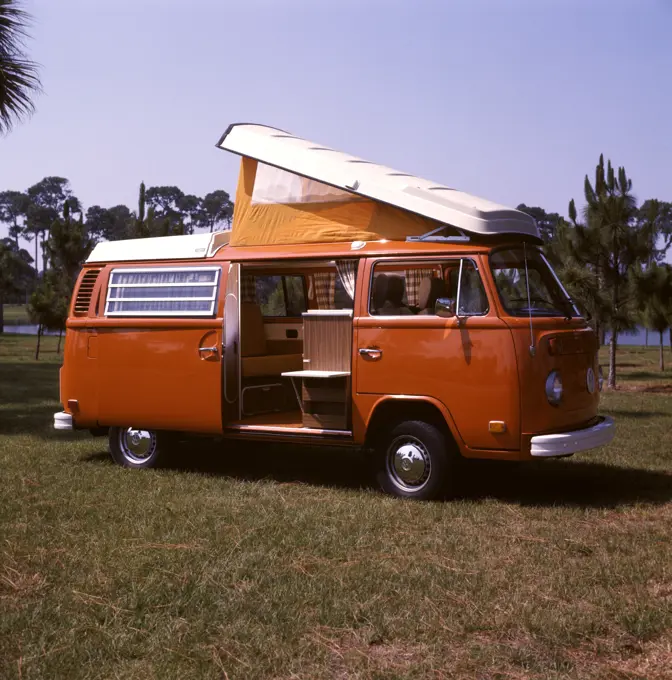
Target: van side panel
[
  {"x": 154, "y": 377},
  {"x": 468, "y": 365},
  {"x": 471, "y": 370},
  {"x": 79, "y": 376}
]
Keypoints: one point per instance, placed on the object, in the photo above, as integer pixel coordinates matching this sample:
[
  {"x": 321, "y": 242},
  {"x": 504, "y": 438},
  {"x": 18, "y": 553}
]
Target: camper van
[{"x": 349, "y": 305}]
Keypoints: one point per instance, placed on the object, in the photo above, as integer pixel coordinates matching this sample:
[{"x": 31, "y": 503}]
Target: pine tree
[
  {"x": 48, "y": 306},
  {"x": 600, "y": 255},
  {"x": 140, "y": 227},
  {"x": 67, "y": 247}
]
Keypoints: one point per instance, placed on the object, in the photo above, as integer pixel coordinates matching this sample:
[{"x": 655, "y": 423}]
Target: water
[
  {"x": 26, "y": 329},
  {"x": 638, "y": 337}
]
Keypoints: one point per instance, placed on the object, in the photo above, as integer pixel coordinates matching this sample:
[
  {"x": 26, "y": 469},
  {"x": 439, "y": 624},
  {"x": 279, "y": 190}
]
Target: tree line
[
  {"x": 50, "y": 217},
  {"x": 610, "y": 257}
]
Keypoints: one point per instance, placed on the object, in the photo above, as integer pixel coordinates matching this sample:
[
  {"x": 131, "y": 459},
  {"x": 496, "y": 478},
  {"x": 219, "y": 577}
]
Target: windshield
[{"x": 547, "y": 296}]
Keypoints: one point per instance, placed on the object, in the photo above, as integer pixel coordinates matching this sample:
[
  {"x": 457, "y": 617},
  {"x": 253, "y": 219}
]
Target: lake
[
  {"x": 638, "y": 337},
  {"x": 25, "y": 329}
]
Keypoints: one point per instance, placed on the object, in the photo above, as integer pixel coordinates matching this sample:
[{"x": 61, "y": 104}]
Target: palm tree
[{"x": 19, "y": 78}]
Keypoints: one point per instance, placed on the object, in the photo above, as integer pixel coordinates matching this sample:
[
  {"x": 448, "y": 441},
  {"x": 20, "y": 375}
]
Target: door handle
[
  {"x": 213, "y": 350},
  {"x": 371, "y": 353}
]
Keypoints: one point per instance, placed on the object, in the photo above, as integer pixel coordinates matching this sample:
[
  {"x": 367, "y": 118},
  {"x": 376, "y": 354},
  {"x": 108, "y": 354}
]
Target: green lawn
[{"x": 275, "y": 562}]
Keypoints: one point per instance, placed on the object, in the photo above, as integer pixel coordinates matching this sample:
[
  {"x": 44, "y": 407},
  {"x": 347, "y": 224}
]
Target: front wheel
[
  {"x": 135, "y": 448},
  {"x": 414, "y": 461}
]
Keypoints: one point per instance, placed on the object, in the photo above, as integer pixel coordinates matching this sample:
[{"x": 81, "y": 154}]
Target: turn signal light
[{"x": 497, "y": 426}]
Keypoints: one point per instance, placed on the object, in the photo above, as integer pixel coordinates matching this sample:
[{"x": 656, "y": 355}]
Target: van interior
[
  {"x": 296, "y": 345},
  {"x": 296, "y": 332}
]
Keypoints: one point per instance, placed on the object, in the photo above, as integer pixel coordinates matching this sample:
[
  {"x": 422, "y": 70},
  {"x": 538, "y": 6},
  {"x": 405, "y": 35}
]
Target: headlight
[
  {"x": 554, "y": 388},
  {"x": 600, "y": 378},
  {"x": 590, "y": 380}
]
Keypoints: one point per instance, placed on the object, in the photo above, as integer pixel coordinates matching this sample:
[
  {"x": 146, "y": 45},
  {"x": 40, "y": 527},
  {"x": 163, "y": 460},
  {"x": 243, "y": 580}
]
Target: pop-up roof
[{"x": 295, "y": 191}]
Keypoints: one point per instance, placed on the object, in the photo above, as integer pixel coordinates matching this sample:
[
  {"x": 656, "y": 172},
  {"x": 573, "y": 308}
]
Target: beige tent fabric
[{"x": 256, "y": 224}]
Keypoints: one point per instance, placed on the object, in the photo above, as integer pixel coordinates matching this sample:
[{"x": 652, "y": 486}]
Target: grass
[
  {"x": 274, "y": 562},
  {"x": 15, "y": 315}
]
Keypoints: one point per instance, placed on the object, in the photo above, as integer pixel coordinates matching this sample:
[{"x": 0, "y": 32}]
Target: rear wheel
[
  {"x": 414, "y": 461},
  {"x": 135, "y": 448}
]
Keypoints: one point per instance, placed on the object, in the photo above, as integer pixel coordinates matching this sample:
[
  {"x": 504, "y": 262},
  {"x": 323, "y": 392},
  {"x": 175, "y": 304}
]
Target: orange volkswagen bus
[{"x": 349, "y": 305}]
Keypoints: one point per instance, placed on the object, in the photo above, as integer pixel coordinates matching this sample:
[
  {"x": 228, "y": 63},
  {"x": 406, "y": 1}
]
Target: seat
[
  {"x": 379, "y": 293},
  {"x": 256, "y": 360},
  {"x": 431, "y": 289},
  {"x": 394, "y": 305}
]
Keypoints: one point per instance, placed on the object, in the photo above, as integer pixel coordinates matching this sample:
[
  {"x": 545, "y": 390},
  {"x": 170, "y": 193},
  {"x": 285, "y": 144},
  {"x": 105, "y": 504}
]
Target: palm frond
[{"x": 19, "y": 76}]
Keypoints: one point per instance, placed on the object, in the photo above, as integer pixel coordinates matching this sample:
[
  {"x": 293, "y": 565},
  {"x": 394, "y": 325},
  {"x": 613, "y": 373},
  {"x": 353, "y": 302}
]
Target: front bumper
[
  {"x": 62, "y": 421},
  {"x": 566, "y": 443}
]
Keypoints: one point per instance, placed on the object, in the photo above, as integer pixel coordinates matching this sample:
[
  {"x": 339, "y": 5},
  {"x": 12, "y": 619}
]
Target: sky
[{"x": 509, "y": 100}]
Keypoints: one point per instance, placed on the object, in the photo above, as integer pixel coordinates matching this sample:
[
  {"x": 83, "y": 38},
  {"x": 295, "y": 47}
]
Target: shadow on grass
[
  {"x": 37, "y": 421},
  {"x": 567, "y": 483},
  {"x": 251, "y": 461},
  {"x": 543, "y": 483}
]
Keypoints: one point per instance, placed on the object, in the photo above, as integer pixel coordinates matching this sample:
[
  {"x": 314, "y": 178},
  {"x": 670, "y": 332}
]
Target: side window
[
  {"x": 341, "y": 298},
  {"x": 404, "y": 289},
  {"x": 270, "y": 296},
  {"x": 473, "y": 300},
  {"x": 388, "y": 293},
  {"x": 296, "y": 295},
  {"x": 163, "y": 291},
  {"x": 276, "y": 295}
]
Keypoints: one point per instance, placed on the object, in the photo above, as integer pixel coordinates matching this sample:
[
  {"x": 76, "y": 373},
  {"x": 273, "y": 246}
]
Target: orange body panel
[
  {"x": 157, "y": 379},
  {"x": 79, "y": 379},
  {"x": 149, "y": 372},
  {"x": 144, "y": 371}
]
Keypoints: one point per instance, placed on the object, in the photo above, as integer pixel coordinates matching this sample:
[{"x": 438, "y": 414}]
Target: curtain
[
  {"x": 413, "y": 279},
  {"x": 347, "y": 272},
  {"x": 325, "y": 287},
  {"x": 248, "y": 290}
]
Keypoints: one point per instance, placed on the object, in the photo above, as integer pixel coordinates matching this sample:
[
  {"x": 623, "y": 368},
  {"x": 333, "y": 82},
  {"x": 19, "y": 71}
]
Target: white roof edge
[
  {"x": 408, "y": 192},
  {"x": 184, "y": 247}
]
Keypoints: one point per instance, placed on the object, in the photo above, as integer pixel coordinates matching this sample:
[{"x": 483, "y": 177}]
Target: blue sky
[{"x": 513, "y": 101}]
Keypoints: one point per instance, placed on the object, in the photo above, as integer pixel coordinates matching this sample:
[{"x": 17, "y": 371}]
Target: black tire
[
  {"x": 136, "y": 448},
  {"x": 415, "y": 461}
]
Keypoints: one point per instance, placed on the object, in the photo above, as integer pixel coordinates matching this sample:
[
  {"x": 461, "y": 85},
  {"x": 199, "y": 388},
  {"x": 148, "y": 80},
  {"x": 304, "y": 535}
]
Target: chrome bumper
[
  {"x": 62, "y": 421},
  {"x": 566, "y": 443}
]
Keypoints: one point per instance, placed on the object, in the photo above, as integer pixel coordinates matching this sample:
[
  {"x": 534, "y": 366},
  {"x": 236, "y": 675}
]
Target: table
[{"x": 323, "y": 405}]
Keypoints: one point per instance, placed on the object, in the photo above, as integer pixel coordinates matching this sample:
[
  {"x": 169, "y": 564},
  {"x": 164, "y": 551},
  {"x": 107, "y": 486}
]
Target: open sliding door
[{"x": 231, "y": 348}]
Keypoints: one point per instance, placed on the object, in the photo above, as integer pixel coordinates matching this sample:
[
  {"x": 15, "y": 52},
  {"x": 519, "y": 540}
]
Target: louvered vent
[{"x": 85, "y": 291}]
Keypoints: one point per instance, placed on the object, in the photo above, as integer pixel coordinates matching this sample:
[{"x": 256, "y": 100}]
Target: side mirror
[{"x": 445, "y": 308}]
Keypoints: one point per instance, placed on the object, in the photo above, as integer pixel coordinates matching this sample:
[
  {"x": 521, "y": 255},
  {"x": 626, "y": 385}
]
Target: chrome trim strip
[{"x": 279, "y": 429}]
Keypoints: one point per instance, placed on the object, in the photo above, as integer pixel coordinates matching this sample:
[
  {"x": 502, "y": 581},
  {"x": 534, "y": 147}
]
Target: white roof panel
[
  {"x": 405, "y": 191},
  {"x": 186, "y": 247}
]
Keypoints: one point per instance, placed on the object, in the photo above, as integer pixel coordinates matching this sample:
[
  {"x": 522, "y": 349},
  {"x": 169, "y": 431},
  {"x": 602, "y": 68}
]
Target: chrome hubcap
[
  {"x": 408, "y": 463},
  {"x": 137, "y": 445}
]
